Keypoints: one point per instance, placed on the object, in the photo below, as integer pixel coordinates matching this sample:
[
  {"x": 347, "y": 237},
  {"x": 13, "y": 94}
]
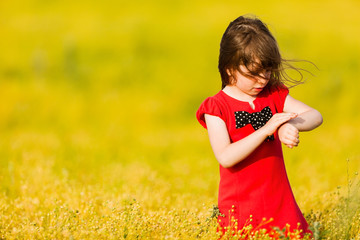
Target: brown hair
[{"x": 247, "y": 41}]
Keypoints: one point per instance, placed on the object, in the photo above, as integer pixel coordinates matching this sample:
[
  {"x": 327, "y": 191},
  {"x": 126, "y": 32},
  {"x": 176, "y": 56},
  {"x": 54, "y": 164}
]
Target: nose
[{"x": 261, "y": 79}]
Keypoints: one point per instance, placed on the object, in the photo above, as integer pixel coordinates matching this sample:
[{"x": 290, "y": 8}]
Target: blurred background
[{"x": 104, "y": 94}]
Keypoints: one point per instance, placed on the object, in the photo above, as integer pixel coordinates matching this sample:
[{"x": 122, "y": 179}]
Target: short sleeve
[
  {"x": 279, "y": 95},
  {"x": 210, "y": 106}
]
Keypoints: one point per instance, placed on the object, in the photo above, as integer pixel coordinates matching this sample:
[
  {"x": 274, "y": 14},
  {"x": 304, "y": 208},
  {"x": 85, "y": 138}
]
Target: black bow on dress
[{"x": 256, "y": 119}]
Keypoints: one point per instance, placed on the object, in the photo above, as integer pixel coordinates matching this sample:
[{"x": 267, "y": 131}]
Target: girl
[{"x": 247, "y": 121}]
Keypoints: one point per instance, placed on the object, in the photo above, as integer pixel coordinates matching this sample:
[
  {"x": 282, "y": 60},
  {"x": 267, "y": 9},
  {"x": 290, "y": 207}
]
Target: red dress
[{"x": 258, "y": 185}]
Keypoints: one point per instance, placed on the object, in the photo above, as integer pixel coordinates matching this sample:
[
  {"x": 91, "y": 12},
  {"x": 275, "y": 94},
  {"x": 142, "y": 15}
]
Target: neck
[{"x": 236, "y": 93}]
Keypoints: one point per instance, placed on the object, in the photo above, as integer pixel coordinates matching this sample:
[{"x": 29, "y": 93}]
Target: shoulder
[
  {"x": 215, "y": 101},
  {"x": 214, "y": 105},
  {"x": 280, "y": 89},
  {"x": 277, "y": 94}
]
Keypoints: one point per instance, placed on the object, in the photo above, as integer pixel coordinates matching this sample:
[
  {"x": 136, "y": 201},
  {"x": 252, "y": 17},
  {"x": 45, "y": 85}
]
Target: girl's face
[{"x": 250, "y": 85}]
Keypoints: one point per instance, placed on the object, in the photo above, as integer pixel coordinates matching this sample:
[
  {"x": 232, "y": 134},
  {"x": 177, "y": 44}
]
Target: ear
[{"x": 228, "y": 72}]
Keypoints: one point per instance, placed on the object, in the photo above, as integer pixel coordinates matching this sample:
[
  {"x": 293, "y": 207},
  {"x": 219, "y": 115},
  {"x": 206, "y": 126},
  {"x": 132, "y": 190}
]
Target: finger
[
  {"x": 291, "y": 115},
  {"x": 292, "y": 128},
  {"x": 285, "y": 114},
  {"x": 294, "y": 115},
  {"x": 296, "y": 142},
  {"x": 292, "y": 132},
  {"x": 289, "y": 143},
  {"x": 283, "y": 119},
  {"x": 291, "y": 140}
]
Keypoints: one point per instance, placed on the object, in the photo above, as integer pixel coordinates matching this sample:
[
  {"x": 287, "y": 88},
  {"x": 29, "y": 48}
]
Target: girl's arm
[
  {"x": 308, "y": 118},
  {"x": 228, "y": 154}
]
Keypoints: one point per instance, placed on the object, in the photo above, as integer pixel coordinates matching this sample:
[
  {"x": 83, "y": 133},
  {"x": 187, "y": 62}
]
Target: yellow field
[{"x": 98, "y": 136}]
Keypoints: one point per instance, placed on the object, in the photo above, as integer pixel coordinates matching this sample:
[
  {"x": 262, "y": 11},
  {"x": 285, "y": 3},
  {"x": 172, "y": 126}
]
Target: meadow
[{"x": 98, "y": 135}]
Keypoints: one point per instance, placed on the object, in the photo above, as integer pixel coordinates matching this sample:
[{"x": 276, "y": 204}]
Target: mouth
[{"x": 258, "y": 89}]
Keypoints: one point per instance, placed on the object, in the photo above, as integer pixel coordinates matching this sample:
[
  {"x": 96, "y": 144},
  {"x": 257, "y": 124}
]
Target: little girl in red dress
[{"x": 247, "y": 121}]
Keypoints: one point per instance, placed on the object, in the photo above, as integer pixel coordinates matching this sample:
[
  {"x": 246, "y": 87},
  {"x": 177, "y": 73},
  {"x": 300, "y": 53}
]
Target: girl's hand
[
  {"x": 289, "y": 135},
  {"x": 276, "y": 121}
]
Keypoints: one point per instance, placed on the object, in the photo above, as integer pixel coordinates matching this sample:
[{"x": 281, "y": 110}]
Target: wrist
[
  {"x": 287, "y": 124},
  {"x": 264, "y": 132}
]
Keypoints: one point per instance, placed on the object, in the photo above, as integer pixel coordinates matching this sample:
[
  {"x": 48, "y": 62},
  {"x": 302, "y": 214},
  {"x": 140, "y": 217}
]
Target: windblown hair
[{"x": 247, "y": 41}]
